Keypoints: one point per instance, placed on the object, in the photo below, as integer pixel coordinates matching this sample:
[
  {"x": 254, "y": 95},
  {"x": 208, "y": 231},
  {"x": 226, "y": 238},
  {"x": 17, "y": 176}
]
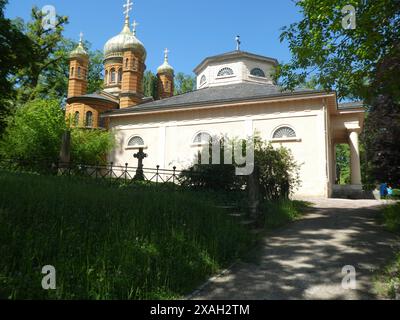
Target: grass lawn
[
  {"x": 387, "y": 282},
  {"x": 280, "y": 213},
  {"x": 109, "y": 242}
]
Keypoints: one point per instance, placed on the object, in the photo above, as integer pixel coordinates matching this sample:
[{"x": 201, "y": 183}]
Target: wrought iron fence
[{"x": 109, "y": 172}]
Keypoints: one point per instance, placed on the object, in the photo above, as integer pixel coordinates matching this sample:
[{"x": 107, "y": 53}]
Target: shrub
[
  {"x": 90, "y": 146},
  {"x": 277, "y": 170},
  {"x": 34, "y": 132}
]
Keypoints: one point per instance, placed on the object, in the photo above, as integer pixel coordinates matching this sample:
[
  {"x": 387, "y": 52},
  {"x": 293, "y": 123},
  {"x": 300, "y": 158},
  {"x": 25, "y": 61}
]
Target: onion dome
[
  {"x": 114, "y": 47},
  {"x": 123, "y": 41},
  {"x": 134, "y": 44},
  {"x": 79, "y": 51},
  {"x": 165, "y": 67}
]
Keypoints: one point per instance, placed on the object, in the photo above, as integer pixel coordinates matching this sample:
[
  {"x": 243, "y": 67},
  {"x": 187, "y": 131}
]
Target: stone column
[
  {"x": 354, "y": 158},
  {"x": 333, "y": 164}
]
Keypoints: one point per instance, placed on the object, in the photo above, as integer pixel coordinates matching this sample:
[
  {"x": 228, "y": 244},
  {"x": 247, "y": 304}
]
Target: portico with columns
[{"x": 347, "y": 125}]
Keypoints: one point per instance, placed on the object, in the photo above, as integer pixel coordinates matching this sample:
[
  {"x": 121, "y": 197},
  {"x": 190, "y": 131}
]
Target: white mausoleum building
[{"x": 235, "y": 97}]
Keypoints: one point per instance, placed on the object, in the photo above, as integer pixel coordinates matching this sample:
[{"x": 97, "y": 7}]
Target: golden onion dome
[
  {"x": 79, "y": 51},
  {"x": 124, "y": 40},
  {"x": 165, "y": 67}
]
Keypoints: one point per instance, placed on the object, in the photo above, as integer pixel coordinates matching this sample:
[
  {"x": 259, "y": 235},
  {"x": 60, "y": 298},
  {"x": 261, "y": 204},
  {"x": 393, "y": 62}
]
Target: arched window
[
  {"x": 126, "y": 63},
  {"x": 89, "y": 119},
  {"x": 136, "y": 142},
  {"x": 79, "y": 72},
  {"x": 225, "y": 72},
  {"x": 72, "y": 71},
  {"x": 257, "y": 72},
  {"x": 119, "y": 75},
  {"x": 106, "y": 78},
  {"x": 284, "y": 132},
  {"x": 112, "y": 72},
  {"x": 202, "y": 138},
  {"x": 76, "y": 118},
  {"x": 203, "y": 80}
]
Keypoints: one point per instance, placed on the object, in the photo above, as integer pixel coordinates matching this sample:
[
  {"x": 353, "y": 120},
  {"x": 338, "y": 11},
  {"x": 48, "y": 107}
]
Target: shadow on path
[{"x": 305, "y": 259}]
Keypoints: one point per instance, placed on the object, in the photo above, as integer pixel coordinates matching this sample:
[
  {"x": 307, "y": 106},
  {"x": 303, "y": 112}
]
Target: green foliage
[
  {"x": 150, "y": 85},
  {"x": 343, "y": 163},
  {"x": 381, "y": 133},
  {"x": 46, "y": 53},
  {"x": 90, "y": 146},
  {"x": 387, "y": 282},
  {"x": 34, "y": 132},
  {"x": 109, "y": 243},
  {"x": 184, "y": 83},
  {"x": 281, "y": 212},
  {"x": 344, "y": 60},
  {"x": 392, "y": 217},
  {"x": 212, "y": 177},
  {"x": 16, "y": 52},
  {"x": 277, "y": 170}
]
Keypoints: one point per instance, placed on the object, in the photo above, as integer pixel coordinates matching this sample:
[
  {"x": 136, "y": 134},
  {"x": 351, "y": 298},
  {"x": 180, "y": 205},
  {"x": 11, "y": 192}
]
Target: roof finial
[
  {"x": 238, "y": 43},
  {"x": 166, "y": 51},
  {"x": 134, "y": 25},
  {"x": 81, "y": 38},
  {"x": 128, "y": 7}
]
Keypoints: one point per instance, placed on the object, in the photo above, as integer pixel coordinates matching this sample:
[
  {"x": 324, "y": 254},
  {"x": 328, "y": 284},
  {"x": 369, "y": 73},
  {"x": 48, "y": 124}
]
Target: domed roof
[
  {"x": 125, "y": 40},
  {"x": 165, "y": 67},
  {"x": 134, "y": 43},
  {"x": 79, "y": 51}
]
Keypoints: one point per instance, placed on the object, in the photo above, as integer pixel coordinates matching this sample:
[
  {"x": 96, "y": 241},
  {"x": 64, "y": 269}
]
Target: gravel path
[{"x": 305, "y": 259}]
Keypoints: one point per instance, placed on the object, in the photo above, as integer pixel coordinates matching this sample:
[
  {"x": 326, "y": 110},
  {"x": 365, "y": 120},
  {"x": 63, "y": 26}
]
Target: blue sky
[{"x": 192, "y": 30}]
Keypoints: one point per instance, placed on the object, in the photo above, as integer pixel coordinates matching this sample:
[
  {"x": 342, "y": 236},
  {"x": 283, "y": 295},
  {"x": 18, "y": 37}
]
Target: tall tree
[
  {"x": 53, "y": 81},
  {"x": 15, "y": 53},
  {"x": 184, "y": 83},
  {"x": 45, "y": 43},
  {"x": 150, "y": 85},
  {"x": 341, "y": 59}
]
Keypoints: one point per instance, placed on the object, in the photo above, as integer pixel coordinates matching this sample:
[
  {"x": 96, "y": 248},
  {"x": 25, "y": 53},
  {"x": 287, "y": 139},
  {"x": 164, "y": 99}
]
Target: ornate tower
[
  {"x": 78, "y": 70},
  {"x": 165, "y": 75},
  {"x": 134, "y": 57}
]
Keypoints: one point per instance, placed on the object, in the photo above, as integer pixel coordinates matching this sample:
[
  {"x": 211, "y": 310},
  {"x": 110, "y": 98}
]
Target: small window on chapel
[
  {"x": 119, "y": 75},
  {"x": 89, "y": 119},
  {"x": 284, "y": 133},
  {"x": 203, "y": 80},
  {"x": 136, "y": 142},
  {"x": 126, "y": 63},
  {"x": 76, "y": 118},
  {"x": 72, "y": 71},
  {"x": 112, "y": 72},
  {"x": 167, "y": 86},
  {"x": 79, "y": 72},
  {"x": 257, "y": 72},
  {"x": 224, "y": 72}
]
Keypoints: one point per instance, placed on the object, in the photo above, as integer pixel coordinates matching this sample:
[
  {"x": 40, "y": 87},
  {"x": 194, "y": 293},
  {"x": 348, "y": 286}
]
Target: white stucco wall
[
  {"x": 241, "y": 69},
  {"x": 169, "y": 136}
]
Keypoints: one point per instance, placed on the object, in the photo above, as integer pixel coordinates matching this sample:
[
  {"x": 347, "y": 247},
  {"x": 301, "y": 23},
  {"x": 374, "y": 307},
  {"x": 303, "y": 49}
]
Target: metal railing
[{"x": 108, "y": 172}]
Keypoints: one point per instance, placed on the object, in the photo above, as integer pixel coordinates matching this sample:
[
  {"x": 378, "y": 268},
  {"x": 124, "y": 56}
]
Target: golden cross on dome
[
  {"x": 166, "y": 51},
  {"x": 81, "y": 37},
  {"x": 134, "y": 25},
  {"x": 128, "y": 7}
]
